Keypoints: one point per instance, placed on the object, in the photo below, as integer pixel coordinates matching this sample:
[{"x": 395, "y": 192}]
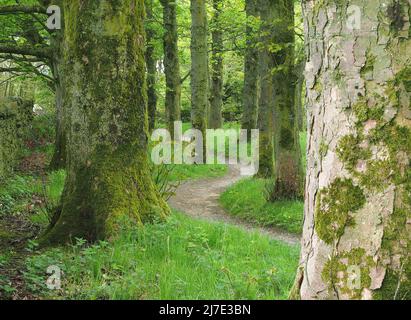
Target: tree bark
[
  {"x": 108, "y": 176},
  {"x": 151, "y": 67},
  {"x": 358, "y": 193},
  {"x": 59, "y": 157},
  {"x": 171, "y": 63},
  {"x": 217, "y": 69},
  {"x": 250, "y": 100},
  {"x": 266, "y": 100},
  {"x": 58, "y": 160},
  {"x": 288, "y": 166},
  {"x": 199, "y": 65},
  {"x": 299, "y": 91}
]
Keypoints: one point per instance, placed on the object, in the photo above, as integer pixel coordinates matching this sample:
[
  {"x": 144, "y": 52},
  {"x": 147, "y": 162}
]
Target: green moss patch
[
  {"x": 335, "y": 205},
  {"x": 349, "y": 272}
]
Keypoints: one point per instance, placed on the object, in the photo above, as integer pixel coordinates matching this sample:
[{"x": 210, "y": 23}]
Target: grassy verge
[
  {"x": 181, "y": 259},
  {"x": 246, "y": 200},
  {"x": 193, "y": 172}
]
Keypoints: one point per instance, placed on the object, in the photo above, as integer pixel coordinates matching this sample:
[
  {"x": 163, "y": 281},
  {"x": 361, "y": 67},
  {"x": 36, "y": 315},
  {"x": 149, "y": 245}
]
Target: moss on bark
[
  {"x": 250, "y": 99},
  {"x": 108, "y": 179},
  {"x": 367, "y": 125},
  {"x": 171, "y": 64}
]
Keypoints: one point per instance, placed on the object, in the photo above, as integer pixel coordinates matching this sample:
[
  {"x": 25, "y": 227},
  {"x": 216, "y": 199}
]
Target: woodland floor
[
  {"x": 202, "y": 233},
  {"x": 200, "y": 199}
]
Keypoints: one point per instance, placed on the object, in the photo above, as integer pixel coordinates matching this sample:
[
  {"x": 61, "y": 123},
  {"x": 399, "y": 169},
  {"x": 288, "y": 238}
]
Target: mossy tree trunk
[
  {"x": 217, "y": 69},
  {"x": 357, "y": 231},
  {"x": 215, "y": 119},
  {"x": 250, "y": 98},
  {"x": 266, "y": 99},
  {"x": 108, "y": 177},
  {"x": 171, "y": 63},
  {"x": 151, "y": 65},
  {"x": 58, "y": 160},
  {"x": 288, "y": 166},
  {"x": 199, "y": 65}
]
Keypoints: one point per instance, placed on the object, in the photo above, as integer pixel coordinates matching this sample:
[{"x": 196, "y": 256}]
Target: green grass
[
  {"x": 181, "y": 259},
  {"x": 246, "y": 200},
  {"x": 21, "y": 192},
  {"x": 193, "y": 172}
]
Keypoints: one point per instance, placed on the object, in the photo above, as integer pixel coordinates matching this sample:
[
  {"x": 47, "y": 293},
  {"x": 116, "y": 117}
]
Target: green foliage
[
  {"x": 247, "y": 200},
  {"x": 35, "y": 195},
  {"x": 6, "y": 290},
  {"x": 15, "y": 194},
  {"x": 180, "y": 259}
]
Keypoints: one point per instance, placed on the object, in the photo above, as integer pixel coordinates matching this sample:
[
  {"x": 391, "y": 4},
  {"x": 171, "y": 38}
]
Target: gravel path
[{"x": 200, "y": 199}]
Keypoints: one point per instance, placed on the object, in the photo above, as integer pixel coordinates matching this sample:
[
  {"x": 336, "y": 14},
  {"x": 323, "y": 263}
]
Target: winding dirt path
[{"x": 200, "y": 199}]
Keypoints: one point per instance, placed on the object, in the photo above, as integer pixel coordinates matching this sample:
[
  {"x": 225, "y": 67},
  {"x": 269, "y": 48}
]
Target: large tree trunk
[
  {"x": 199, "y": 65},
  {"x": 356, "y": 242},
  {"x": 151, "y": 66},
  {"x": 288, "y": 166},
  {"x": 171, "y": 63},
  {"x": 250, "y": 100},
  {"x": 217, "y": 69},
  {"x": 266, "y": 99},
  {"x": 58, "y": 160},
  {"x": 108, "y": 177}
]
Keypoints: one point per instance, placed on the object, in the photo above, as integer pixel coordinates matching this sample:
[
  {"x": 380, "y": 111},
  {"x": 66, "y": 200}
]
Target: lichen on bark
[{"x": 366, "y": 124}]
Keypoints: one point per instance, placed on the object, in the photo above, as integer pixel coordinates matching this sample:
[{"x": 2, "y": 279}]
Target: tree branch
[
  {"x": 15, "y": 9},
  {"x": 185, "y": 77},
  {"x": 40, "y": 52}
]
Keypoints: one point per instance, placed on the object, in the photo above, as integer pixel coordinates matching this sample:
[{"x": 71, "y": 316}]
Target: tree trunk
[
  {"x": 288, "y": 166},
  {"x": 217, "y": 69},
  {"x": 356, "y": 242},
  {"x": 58, "y": 160},
  {"x": 299, "y": 91},
  {"x": 108, "y": 176},
  {"x": 266, "y": 100},
  {"x": 171, "y": 63},
  {"x": 250, "y": 100},
  {"x": 151, "y": 67},
  {"x": 199, "y": 65}
]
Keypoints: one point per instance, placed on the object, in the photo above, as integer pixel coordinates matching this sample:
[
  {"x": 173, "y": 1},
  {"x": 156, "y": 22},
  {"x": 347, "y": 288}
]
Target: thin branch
[
  {"x": 185, "y": 77},
  {"x": 40, "y": 52},
  {"x": 16, "y": 9}
]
